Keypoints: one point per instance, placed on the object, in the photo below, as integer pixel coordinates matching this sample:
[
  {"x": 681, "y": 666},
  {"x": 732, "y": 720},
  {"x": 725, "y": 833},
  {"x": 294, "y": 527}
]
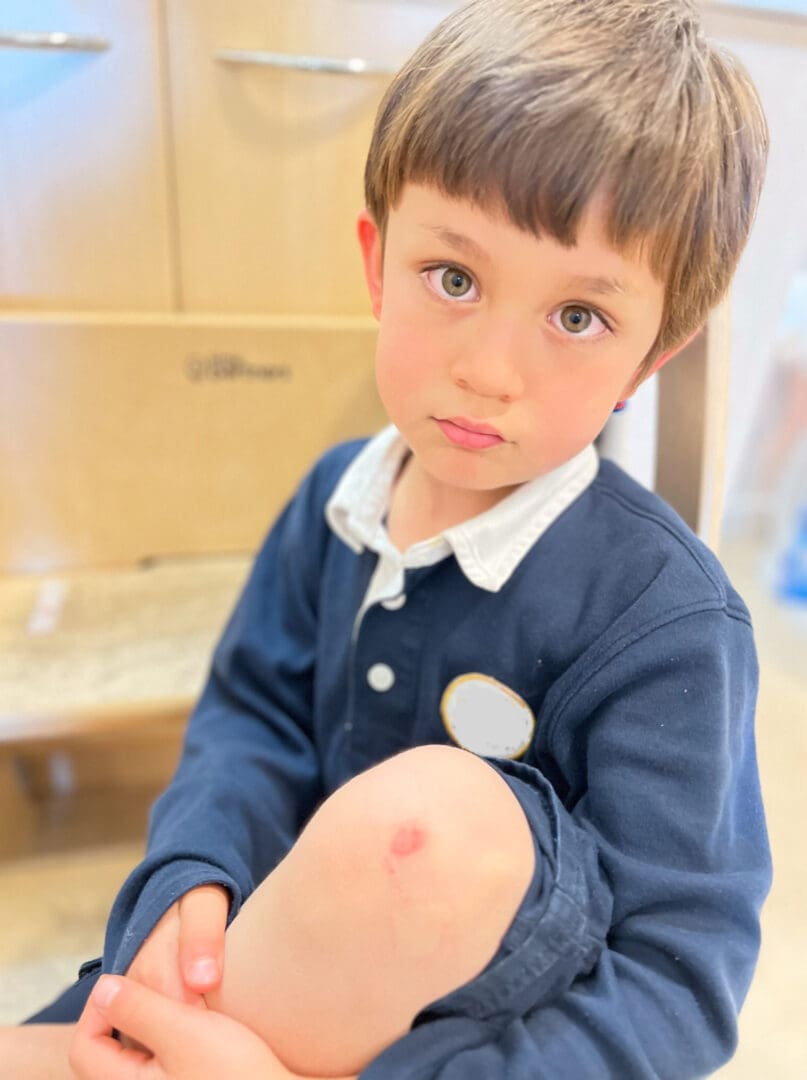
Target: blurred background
[{"x": 183, "y": 327}]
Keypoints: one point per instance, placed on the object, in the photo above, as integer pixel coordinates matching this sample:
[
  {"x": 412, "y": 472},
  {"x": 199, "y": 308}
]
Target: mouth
[{"x": 469, "y": 434}]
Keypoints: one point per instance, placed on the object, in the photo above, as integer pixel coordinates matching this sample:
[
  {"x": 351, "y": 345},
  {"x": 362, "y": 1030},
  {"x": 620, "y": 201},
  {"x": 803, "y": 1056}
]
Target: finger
[
  {"x": 203, "y": 920},
  {"x": 94, "y": 1053},
  {"x": 153, "y": 1020},
  {"x": 187, "y": 1043}
]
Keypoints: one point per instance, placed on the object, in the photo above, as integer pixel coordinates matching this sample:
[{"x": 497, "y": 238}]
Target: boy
[{"x": 570, "y": 884}]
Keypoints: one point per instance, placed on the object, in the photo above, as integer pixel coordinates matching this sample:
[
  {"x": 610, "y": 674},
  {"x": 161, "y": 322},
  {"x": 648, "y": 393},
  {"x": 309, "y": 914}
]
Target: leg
[
  {"x": 38, "y": 1049},
  {"x": 36, "y": 1052},
  {"x": 398, "y": 891}
]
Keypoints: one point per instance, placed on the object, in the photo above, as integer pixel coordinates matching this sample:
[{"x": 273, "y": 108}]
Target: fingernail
[
  {"x": 204, "y": 970},
  {"x": 106, "y": 990}
]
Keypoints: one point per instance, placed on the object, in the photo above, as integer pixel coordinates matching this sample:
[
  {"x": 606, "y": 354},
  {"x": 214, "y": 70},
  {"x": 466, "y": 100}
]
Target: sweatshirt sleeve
[
  {"x": 248, "y": 777},
  {"x": 652, "y": 737}
]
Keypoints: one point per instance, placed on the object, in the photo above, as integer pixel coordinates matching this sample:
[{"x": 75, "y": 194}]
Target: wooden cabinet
[
  {"x": 270, "y": 159},
  {"x": 84, "y": 193},
  {"x": 155, "y": 173}
]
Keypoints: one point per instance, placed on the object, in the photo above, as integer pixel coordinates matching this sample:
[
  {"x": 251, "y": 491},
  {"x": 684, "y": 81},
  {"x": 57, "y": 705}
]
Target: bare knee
[
  {"x": 438, "y": 834},
  {"x": 449, "y": 807},
  {"x": 37, "y": 1051},
  {"x": 398, "y": 891}
]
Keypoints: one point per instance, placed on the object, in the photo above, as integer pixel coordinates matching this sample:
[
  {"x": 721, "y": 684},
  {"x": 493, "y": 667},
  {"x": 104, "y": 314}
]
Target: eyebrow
[
  {"x": 603, "y": 286},
  {"x": 459, "y": 242}
]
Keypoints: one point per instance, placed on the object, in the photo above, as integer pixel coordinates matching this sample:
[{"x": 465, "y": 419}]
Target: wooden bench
[{"x": 107, "y": 649}]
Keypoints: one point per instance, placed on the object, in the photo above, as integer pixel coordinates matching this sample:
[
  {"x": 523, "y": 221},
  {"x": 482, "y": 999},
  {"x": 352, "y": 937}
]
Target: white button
[
  {"x": 381, "y": 677},
  {"x": 395, "y": 603}
]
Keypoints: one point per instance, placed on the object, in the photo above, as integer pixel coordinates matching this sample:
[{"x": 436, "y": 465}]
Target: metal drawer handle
[
  {"x": 55, "y": 40},
  {"x": 329, "y": 64}
]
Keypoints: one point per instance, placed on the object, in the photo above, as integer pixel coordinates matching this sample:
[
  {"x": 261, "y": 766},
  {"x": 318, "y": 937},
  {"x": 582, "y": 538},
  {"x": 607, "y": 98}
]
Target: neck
[{"x": 422, "y": 507}]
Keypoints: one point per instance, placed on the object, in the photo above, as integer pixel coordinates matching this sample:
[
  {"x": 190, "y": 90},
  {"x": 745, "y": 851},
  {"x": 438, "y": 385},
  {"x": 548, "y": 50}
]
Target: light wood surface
[
  {"x": 103, "y": 650},
  {"x": 123, "y": 440},
  {"x": 83, "y": 167}
]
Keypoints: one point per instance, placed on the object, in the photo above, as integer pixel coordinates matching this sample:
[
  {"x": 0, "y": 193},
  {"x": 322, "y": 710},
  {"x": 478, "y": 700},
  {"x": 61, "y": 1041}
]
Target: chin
[{"x": 467, "y": 470}]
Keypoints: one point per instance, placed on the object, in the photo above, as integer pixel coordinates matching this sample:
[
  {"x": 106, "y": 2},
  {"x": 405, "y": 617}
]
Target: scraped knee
[{"x": 441, "y": 832}]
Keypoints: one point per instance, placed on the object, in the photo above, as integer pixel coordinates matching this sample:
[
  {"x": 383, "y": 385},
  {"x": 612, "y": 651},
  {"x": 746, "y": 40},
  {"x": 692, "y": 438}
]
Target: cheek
[
  {"x": 403, "y": 361},
  {"x": 570, "y": 409},
  {"x": 588, "y": 389}
]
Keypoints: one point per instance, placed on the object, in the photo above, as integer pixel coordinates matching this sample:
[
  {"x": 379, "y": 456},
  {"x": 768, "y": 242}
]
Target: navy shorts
[{"x": 560, "y": 927}]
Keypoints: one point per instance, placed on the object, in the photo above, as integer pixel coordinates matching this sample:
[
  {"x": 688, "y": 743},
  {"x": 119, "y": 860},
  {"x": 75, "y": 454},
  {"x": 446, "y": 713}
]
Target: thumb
[
  {"x": 202, "y": 922},
  {"x": 185, "y": 1042},
  {"x": 94, "y": 1051},
  {"x": 155, "y": 1021}
]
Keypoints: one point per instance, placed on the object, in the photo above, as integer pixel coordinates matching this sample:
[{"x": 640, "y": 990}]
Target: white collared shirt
[{"x": 488, "y": 547}]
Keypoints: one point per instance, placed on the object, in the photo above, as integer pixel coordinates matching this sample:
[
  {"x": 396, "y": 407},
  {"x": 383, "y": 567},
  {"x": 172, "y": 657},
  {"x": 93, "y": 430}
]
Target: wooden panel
[
  {"x": 692, "y": 421},
  {"x": 16, "y": 807},
  {"x": 103, "y": 760},
  {"x": 121, "y": 441},
  {"x": 270, "y": 163},
  {"x": 83, "y": 186}
]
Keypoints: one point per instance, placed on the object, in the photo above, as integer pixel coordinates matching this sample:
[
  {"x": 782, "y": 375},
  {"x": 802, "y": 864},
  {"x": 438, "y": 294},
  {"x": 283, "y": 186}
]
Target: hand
[
  {"x": 183, "y": 956},
  {"x": 185, "y": 1042}
]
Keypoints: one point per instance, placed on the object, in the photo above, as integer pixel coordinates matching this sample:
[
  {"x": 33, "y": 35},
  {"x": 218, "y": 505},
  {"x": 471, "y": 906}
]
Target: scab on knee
[{"x": 407, "y": 839}]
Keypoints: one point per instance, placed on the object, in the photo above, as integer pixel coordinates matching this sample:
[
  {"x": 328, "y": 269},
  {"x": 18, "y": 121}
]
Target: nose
[{"x": 491, "y": 365}]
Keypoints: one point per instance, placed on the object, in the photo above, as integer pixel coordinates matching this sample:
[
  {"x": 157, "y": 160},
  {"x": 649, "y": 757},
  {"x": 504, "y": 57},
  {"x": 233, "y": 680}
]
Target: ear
[
  {"x": 634, "y": 384},
  {"x": 662, "y": 360},
  {"x": 372, "y": 255}
]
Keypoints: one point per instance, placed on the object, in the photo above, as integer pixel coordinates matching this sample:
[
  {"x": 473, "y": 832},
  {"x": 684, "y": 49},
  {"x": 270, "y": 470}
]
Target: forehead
[{"x": 485, "y": 235}]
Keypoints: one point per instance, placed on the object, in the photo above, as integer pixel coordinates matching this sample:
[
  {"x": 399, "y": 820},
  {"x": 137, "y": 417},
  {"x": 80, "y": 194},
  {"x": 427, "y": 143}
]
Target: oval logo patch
[{"x": 486, "y": 717}]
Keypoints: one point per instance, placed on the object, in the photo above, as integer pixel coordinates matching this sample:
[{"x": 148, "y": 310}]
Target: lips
[{"x": 469, "y": 434}]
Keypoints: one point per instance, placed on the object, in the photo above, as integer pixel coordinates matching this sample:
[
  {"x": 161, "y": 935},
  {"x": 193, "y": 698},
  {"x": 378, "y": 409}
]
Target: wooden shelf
[{"x": 110, "y": 649}]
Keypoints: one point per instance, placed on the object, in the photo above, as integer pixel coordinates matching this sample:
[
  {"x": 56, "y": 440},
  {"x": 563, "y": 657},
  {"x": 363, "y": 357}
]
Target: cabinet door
[
  {"x": 84, "y": 217},
  {"x": 270, "y": 160}
]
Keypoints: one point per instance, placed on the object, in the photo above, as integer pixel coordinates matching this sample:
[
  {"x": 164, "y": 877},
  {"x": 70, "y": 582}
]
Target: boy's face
[{"x": 499, "y": 357}]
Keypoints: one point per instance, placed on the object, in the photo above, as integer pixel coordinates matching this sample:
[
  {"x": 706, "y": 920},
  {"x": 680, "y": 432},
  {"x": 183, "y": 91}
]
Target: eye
[
  {"x": 577, "y": 319},
  {"x": 451, "y": 283}
]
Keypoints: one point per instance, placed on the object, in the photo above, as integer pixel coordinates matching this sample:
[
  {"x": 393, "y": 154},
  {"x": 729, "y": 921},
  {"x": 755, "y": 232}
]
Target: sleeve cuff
[{"x": 164, "y": 887}]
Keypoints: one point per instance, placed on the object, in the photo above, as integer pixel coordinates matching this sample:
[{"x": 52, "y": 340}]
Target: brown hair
[{"x": 534, "y": 107}]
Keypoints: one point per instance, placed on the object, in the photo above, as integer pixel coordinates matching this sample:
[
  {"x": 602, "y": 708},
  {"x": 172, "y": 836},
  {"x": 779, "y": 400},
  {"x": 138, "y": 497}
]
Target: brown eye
[
  {"x": 455, "y": 282},
  {"x": 576, "y": 319}
]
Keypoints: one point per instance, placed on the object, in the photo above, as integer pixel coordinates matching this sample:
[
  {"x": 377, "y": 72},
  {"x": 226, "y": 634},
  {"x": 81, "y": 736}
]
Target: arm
[
  {"x": 249, "y": 774},
  {"x": 655, "y": 742}
]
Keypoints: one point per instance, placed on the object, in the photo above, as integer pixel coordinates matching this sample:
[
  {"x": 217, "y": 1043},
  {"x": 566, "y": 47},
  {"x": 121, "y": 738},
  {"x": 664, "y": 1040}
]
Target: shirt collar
[{"x": 487, "y": 547}]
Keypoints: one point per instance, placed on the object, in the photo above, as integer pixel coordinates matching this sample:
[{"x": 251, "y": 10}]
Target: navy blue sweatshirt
[{"x": 636, "y": 657}]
